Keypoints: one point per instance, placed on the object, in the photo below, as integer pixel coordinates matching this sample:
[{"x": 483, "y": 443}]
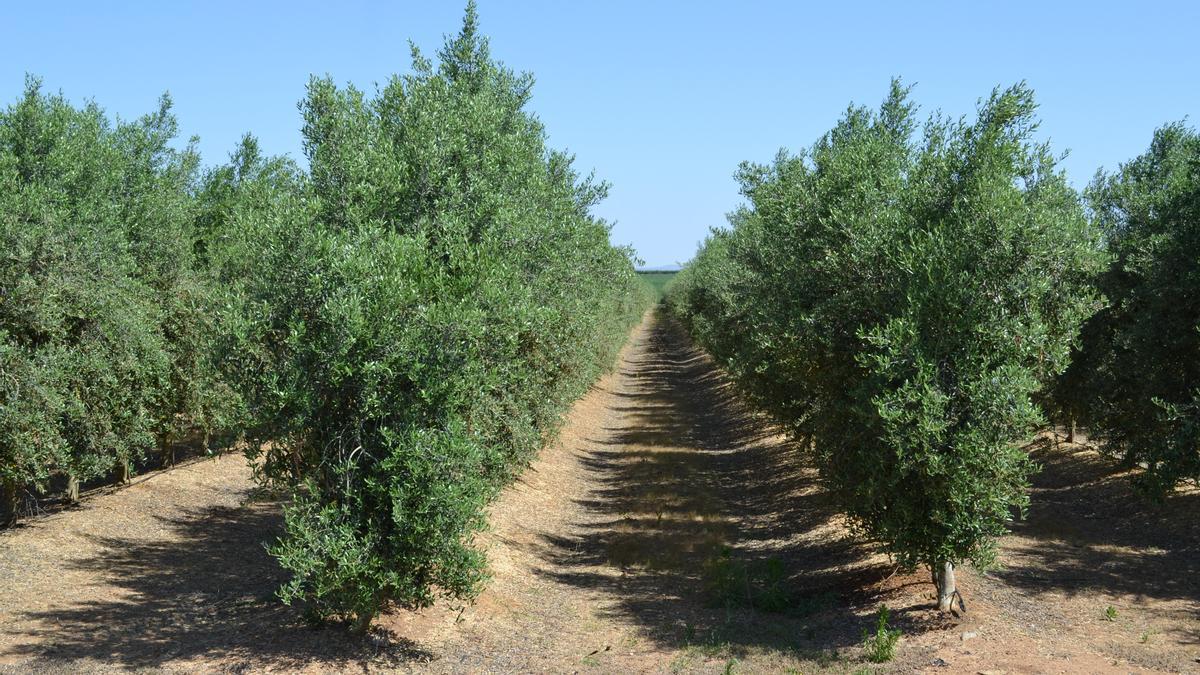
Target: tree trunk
[
  {"x": 125, "y": 471},
  {"x": 944, "y": 578},
  {"x": 72, "y": 490},
  {"x": 9, "y": 502},
  {"x": 362, "y": 622},
  {"x": 1071, "y": 429}
]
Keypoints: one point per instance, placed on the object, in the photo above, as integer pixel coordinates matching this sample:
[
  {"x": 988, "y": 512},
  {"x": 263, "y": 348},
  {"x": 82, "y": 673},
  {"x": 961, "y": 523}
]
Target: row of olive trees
[
  {"x": 107, "y": 320},
  {"x": 394, "y": 332},
  {"x": 1135, "y": 381},
  {"x": 905, "y": 304}
]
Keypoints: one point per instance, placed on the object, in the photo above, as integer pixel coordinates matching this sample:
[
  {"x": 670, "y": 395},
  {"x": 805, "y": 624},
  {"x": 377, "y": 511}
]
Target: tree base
[
  {"x": 10, "y": 502},
  {"x": 943, "y": 578}
]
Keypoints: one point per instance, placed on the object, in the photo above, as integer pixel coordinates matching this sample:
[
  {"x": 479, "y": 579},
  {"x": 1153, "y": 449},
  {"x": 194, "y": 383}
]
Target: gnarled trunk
[
  {"x": 943, "y": 577},
  {"x": 72, "y": 489},
  {"x": 1071, "y": 429}
]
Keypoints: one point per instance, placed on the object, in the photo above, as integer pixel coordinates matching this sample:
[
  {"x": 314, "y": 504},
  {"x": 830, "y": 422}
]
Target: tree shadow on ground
[
  {"x": 712, "y": 519},
  {"x": 206, "y": 590},
  {"x": 1087, "y": 531}
]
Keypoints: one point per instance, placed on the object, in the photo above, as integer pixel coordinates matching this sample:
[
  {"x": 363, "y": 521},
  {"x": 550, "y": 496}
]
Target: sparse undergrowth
[
  {"x": 731, "y": 582},
  {"x": 880, "y": 646}
]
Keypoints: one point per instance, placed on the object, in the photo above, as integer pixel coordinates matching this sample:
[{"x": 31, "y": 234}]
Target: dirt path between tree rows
[{"x": 668, "y": 529}]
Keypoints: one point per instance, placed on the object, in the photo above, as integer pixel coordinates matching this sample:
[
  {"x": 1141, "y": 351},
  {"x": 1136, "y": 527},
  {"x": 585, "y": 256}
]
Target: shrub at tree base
[{"x": 898, "y": 305}]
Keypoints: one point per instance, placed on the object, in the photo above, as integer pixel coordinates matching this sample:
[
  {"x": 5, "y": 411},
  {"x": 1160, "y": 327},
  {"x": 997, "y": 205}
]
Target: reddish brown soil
[{"x": 604, "y": 555}]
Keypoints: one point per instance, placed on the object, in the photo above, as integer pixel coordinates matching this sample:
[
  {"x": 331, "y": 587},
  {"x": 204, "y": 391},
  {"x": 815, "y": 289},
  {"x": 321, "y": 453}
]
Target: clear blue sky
[{"x": 662, "y": 99}]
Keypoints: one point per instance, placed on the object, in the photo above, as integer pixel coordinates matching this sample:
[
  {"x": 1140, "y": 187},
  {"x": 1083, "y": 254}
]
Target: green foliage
[
  {"x": 880, "y": 647},
  {"x": 725, "y": 579},
  {"x": 422, "y": 318},
  {"x": 897, "y": 305},
  {"x": 1136, "y": 381},
  {"x": 104, "y": 319},
  {"x": 397, "y": 331},
  {"x": 246, "y": 211},
  {"x": 658, "y": 281}
]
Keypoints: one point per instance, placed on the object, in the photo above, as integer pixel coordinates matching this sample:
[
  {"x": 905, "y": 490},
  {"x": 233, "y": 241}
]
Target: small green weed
[
  {"x": 726, "y": 580},
  {"x": 730, "y": 583},
  {"x": 881, "y": 647},
  {"x": 1110, "y": 613},
  {"x": 771, "y": 594}
]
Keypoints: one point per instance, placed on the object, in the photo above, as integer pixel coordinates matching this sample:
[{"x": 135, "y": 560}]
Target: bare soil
[{"x": 657, "y": 534}]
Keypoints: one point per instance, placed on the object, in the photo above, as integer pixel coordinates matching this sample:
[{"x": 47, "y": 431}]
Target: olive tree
[
  {"x": 102, "y": 330},
  {"x": 898, "y": 303},
  {"x": 440, "y": 294},
  {"x": 1137, "y": 380}
]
